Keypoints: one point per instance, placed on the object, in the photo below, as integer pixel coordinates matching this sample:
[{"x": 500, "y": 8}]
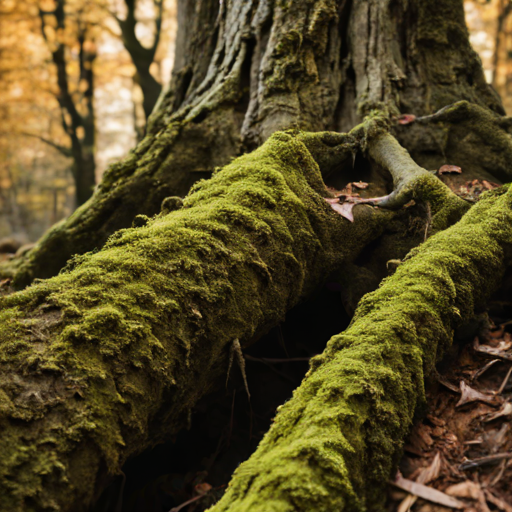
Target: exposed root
[
  {"x": 413, "y": 182},
  {"x": 337, "y": 441}
]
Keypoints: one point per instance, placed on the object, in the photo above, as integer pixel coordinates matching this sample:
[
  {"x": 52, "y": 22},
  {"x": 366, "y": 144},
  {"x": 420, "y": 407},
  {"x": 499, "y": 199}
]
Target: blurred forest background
[{"x": 78, "y": 79}]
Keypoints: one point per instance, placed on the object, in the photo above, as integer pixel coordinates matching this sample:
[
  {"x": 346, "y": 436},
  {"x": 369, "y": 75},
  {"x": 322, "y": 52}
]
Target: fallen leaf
[
  {"x": 493, "y": 351},
  {"x": 506, "y": 410},
  {"x": 406, "y": 119},
  {"x": 203, "y": 488},
  {"x": 360, "y": 184},
  {"x": 466, "y": 489},
  {"x": 420, "y": 437},
  {"x": 438, "y": 422},
  {"x": 468, "y": 395},
  {"x": 489, "y": 185},
  {"x": 344, "y": 209},
  {"x": 449, "y": 169},
  {"x": 427, "y": 475},
  {"x": 427, "y": 493},
  {"x": 495, "y": 439}
]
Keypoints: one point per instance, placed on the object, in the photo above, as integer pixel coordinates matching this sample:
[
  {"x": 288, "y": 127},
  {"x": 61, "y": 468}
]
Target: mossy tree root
[
  {"x": 338, "y": 440},
  {"x": 413, "y": 182},
  {"x": 109, "y": 357}
]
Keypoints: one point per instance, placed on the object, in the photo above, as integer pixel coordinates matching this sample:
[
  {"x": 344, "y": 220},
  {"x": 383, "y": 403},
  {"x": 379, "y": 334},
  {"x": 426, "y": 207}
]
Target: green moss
[
  {"x": 335, "y": 444},
  {"x": 108, "y": 357},
  {"x": 447, "y": 208}
]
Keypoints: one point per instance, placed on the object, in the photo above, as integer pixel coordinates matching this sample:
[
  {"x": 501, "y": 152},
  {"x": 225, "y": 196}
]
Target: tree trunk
[
  {"x": 79, "y": 126},
  {"x": 141, "y": 56},
  {"x": 245, "y": 69},
  {"x": 110, "y": 356}
]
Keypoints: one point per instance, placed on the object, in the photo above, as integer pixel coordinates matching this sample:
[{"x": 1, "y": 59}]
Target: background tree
[
  {"x": 37, "y": 185},
  {"x": 77, "y": 109},
  {"x": 143, "y": 57}
]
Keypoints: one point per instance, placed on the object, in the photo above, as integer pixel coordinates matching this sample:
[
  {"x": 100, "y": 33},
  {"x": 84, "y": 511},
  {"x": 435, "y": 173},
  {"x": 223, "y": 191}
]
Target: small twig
[
  {"x": 447, "y": 384},
  {"x": 281, "y": 340},
  {"x": 482, "y": 370},
  {"x": 505, "y": 381},
  {"x": 188, "y": 502},
  {"x": 429, "y": 220},
  {"x": 497, "y": 478},
  {"x": 236, "y": 350},
  {"x": 489, "y": 459},
  {"x": 501, "y": 504}
]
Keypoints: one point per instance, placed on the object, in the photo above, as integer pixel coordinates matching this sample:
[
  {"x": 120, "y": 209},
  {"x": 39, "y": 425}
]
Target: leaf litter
[
  {"x": 344, "y": 200},
  {"x": 460, "y": 456}
]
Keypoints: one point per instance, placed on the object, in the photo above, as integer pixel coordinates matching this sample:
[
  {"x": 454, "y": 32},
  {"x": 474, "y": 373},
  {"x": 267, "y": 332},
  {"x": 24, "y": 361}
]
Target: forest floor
[{"x": 463, "y": 447}]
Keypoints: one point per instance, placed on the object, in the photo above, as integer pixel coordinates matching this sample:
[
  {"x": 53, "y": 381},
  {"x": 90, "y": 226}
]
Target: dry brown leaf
[
  {"x": 203, "y": 488},
  {"x": 449, "y": 169},
  {"x": 499, "y": 351},
  {"x": 360, "y": 184},
  {"x": 495, "y": 439},
  {"x": 467, "y": 489},
  {"x": 468, "y": 395},
  {"x": 427, "y": 475},
  {"x": 506, "y": 410},
  {"x": 406, "y": 119},
  {"x": 344, "y": 209}
]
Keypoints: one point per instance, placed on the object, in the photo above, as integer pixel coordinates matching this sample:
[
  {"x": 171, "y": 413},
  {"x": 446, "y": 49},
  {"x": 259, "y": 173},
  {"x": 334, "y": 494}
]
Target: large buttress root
[
  {"x": 336, "y": 442},
  {"x": 109, "y": 357}
]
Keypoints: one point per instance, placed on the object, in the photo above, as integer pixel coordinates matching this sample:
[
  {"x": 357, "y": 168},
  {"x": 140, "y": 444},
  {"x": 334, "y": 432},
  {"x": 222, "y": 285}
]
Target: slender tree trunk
[
  {"x": 141, "y": 56},
  {"x": 80, "y": 127}
]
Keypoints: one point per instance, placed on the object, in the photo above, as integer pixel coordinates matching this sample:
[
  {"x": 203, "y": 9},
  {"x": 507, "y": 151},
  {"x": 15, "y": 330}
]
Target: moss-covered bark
[
  {"x": 110, "y": 356},
  {"x": 334, "y": 445}
]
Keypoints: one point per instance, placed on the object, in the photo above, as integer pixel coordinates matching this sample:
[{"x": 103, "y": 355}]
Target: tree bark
[{"x": 245, "y": 69}]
